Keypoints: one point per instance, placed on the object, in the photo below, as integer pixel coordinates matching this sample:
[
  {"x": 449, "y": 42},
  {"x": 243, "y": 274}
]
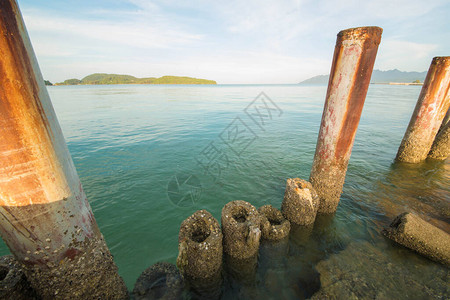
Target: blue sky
[{"x": 247, "y": 41}]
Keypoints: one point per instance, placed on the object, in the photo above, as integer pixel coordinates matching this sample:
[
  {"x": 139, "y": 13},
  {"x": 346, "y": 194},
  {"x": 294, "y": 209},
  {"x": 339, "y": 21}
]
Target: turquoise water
[{"x": 131, "y": 143}]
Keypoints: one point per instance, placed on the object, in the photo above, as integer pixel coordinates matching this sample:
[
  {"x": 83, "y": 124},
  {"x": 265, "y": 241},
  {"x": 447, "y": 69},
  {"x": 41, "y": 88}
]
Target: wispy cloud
[
  {"x": 404, "y": 55},
  {"x": 252, "y": 41}
]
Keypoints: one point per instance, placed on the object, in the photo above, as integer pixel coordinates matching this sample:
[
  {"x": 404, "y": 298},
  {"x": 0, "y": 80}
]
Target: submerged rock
[
  {"x": 13, "y": 283},
  {"x": 300, "y": 203},
  {"x": 414, "y": 233},
  {"x": 160, "y": 281},
  {"x": 363, "y": 271}
]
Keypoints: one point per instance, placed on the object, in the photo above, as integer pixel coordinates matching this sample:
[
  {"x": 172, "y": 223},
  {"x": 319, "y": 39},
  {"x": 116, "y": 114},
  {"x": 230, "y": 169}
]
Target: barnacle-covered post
[
  {"x": 274, "y": 245},
  {"x": 354, "y": 57},
  {"x": 241, "y": 233},
  {"x": 300, "y": 202},
  {"x": 431, "y": 107},
  {"x": 45, "y": 218},
  {"x": 200, "y": 254}
]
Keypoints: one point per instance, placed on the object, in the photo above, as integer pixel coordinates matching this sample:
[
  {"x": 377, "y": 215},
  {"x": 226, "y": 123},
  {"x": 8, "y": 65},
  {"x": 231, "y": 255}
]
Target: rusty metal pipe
[
  {"x": 441, "y": 146},
  {"x": 431, "y": 107},
  {"x": 353, "y": 61},
  {"x": 45, "y": 218}
]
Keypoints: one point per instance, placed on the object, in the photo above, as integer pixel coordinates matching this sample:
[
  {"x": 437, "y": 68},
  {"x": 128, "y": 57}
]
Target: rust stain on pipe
[
  {"x": 430, "y": 110},
  {"x": 45, "y": 218},
  {"x": 353, "y": 61},
  {"x": 28, "y": 170},
  {"x": 41, "y": 197}
]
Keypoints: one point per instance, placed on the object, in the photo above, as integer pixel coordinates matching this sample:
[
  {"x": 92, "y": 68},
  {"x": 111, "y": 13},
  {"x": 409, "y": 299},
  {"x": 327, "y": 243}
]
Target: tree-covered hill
[{"x": 103, "y": 78}]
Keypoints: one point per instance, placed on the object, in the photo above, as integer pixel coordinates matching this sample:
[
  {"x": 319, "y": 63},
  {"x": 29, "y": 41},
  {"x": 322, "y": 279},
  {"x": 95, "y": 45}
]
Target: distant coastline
[
  {"x": 380, "y": 77},
  {"x": 103, "y": 78}
]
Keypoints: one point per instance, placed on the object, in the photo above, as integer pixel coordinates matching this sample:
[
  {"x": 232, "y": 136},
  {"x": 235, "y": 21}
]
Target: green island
[{"x": 103, "y": 78}]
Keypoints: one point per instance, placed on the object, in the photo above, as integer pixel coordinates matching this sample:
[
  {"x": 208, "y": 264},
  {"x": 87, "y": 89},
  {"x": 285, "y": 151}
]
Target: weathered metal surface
[
  {"x": 45, "y": 217},
  {"x": 353, "y": 61},
  {"x": 40, "y": 194},
  {"x": 430, "y": 110}
]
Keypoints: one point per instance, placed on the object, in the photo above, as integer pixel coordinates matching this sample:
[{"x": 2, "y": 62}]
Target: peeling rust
[{"x": 353, "y": 61}]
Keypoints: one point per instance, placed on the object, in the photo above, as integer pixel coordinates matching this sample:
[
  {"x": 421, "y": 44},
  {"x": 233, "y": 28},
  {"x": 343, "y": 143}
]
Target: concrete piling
[
  {"x": 160, "y": 281},
  {"x": 300, "y": 203},
  {"x": 274, "y": 244},
  {"x": 411, "y": 231},
  {"x": 430, "y": 110},
  {"x": 353, "y": 61},
  {"x": 274, "y": 226},
  {"x": 241, "y": 229},
  {"x": 200, "y": 254},
  {"x": 46, "y": 220}
]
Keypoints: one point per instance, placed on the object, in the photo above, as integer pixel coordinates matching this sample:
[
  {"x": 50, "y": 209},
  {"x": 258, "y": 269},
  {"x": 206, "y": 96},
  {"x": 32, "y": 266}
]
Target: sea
[{"x": 149, "y": 156}]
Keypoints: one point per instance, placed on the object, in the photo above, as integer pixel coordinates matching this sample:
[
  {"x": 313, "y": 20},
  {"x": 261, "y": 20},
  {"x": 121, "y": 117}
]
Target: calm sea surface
[{"x": 150, "y": 155}]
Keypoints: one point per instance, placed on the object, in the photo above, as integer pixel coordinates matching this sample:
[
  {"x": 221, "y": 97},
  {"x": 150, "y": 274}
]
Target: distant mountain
[
  {"x": 377, "y": 77},
  {"x": 103, "y": 78}
]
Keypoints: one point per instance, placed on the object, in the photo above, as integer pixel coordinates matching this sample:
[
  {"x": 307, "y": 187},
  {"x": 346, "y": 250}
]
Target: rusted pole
[
  {"x": 431, "y": 107},
  {"x": 45, "y": 218},
  {"x": 441, "y": 145},
  {"x": 353, "y": 61}
]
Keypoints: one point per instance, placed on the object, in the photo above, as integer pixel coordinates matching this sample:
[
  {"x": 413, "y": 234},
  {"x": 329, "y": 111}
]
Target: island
[{"x": 103, "y": 78}]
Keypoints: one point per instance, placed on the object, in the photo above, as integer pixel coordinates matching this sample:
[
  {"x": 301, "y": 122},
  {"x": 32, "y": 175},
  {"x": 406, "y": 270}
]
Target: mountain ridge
[{"x": 378, "y": 76}]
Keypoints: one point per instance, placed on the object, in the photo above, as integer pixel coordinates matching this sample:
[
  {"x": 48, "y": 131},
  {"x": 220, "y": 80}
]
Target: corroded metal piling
[
  {"x": 431, "y": 107},
  {"x": 46, "y": 220},
  {"x": 441, "y": 145},
  {"x": 353, "y": 61}
]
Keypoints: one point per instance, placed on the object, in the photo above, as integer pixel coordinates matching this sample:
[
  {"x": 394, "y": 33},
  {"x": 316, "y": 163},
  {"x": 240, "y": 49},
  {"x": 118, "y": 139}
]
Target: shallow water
[{"x": 135, "y": 145}]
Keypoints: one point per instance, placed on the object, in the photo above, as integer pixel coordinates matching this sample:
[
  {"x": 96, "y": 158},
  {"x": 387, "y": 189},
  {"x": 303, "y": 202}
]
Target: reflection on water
[{"x": 129, "y": 143}]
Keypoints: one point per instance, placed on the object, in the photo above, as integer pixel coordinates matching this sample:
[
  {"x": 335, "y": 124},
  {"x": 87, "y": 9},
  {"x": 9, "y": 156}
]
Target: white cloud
[
  {"x": 141, "y": 33},
  {"x": 404, "y": 55},
  {"x": 253, "y": 41}
]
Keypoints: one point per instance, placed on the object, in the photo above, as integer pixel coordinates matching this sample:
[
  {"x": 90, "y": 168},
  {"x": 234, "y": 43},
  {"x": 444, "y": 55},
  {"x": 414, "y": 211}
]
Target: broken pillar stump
[
  {"x": 241, "y": 232},
  {"x": 300, "y": 203},
  {"x": 412, "y": 232},
  {"x": 274, "y": 238},
  {"x": 160, "y": 281},
  {"x": 200, "y": 254}
]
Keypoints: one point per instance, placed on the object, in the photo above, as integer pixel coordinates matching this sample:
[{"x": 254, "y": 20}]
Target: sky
[{"x": 246, "y": 41}]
